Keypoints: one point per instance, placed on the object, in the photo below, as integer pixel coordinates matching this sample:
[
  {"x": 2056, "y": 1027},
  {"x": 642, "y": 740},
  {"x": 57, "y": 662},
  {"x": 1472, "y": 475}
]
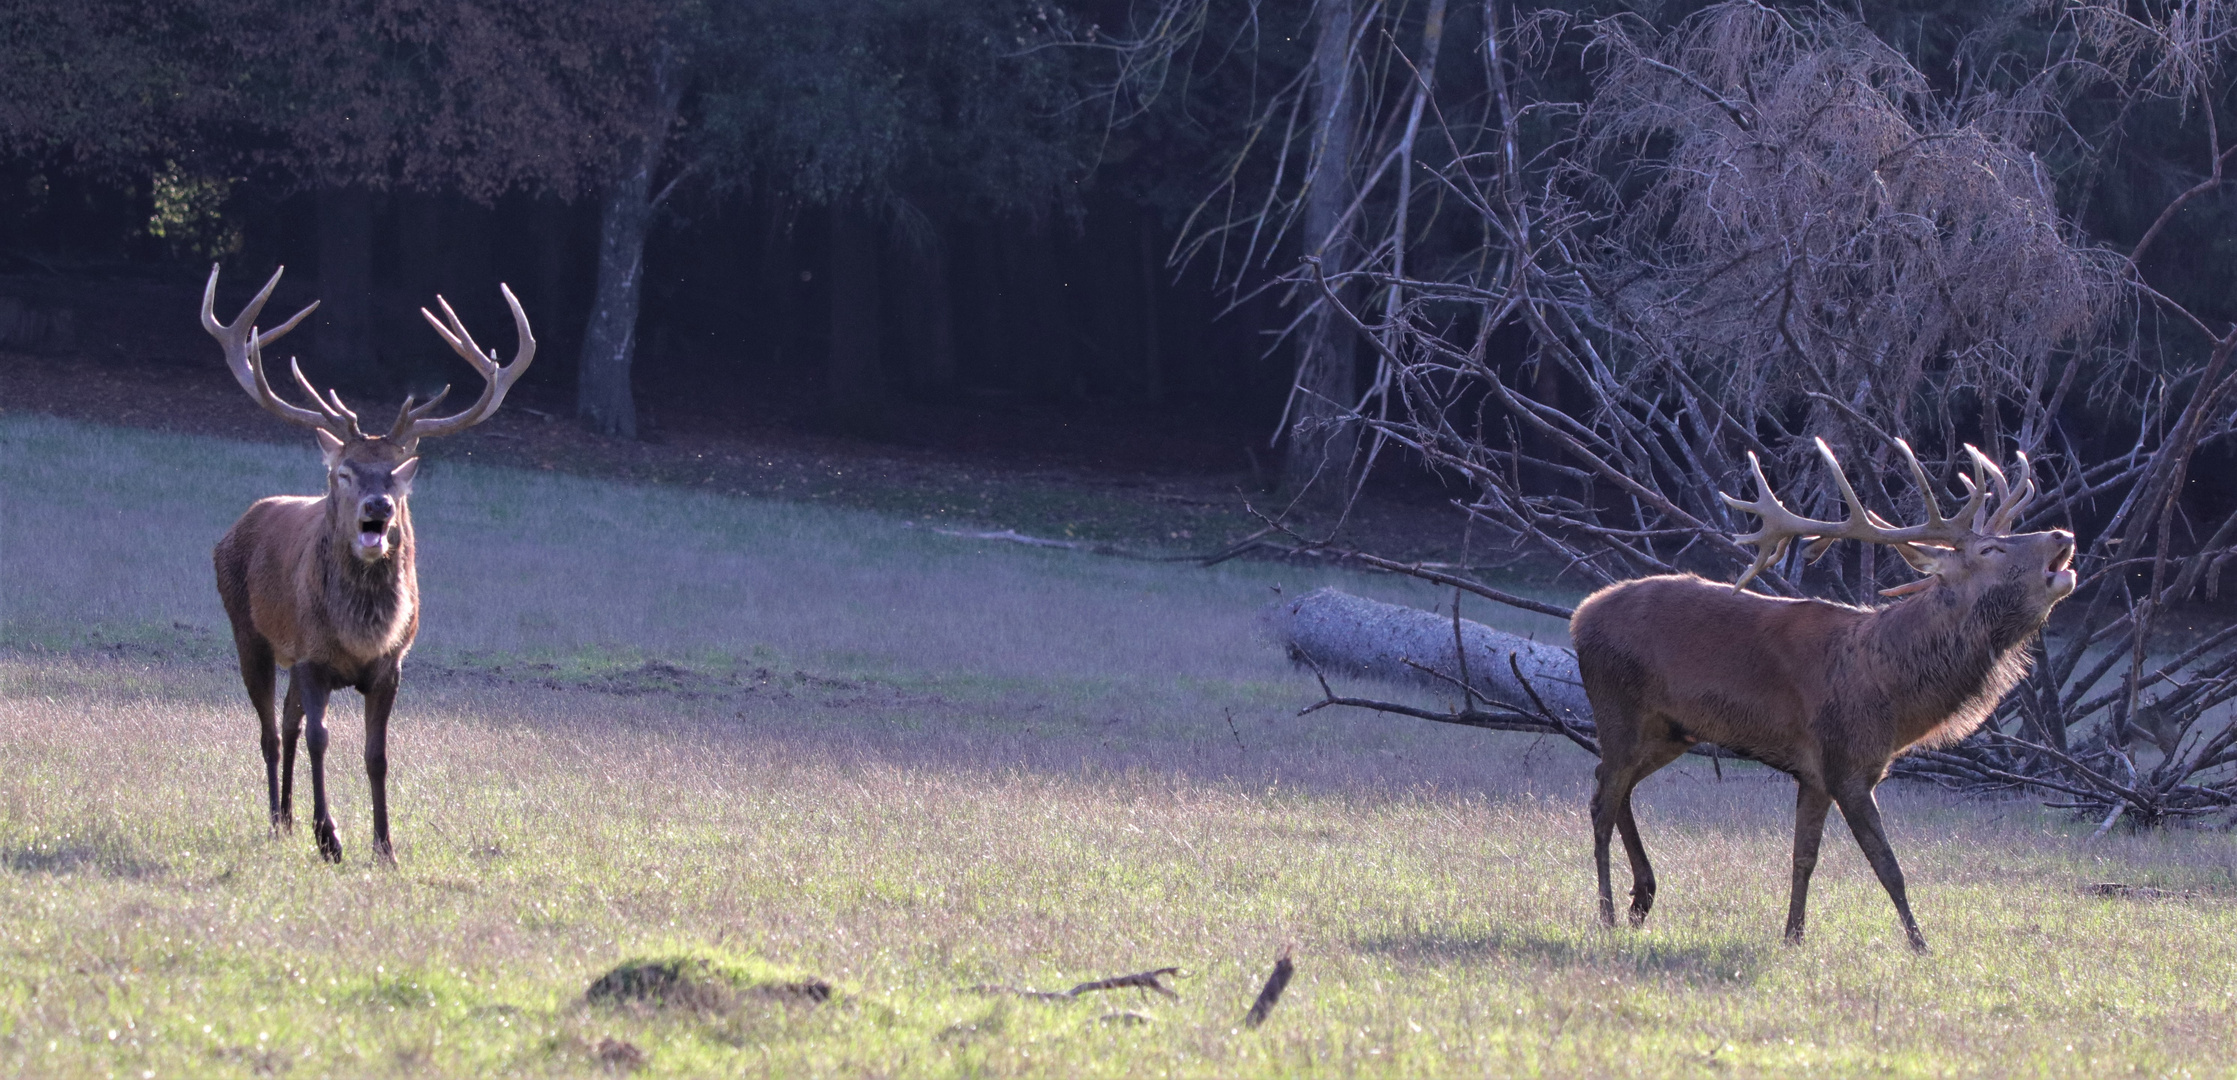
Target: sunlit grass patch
[{"x": 550, "y": 835}]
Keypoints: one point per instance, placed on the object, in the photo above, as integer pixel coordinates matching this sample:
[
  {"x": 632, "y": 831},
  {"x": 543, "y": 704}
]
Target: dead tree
[
  {"x": 326, "y": 587},
  {"x": 1816, "y": 242}
]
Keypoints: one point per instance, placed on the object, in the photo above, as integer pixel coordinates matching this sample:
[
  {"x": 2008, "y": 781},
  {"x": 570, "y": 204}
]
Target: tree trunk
[
  {"x": 1345, "y": 635},
  {"x": 992, "y": 339},
  {"x": 1153, "y": 364},
  {"x": 1321, "y": 444},
  {"x": 602, "y": 395},
  {"x": 1038, "y": 362},
  {"x": 856, "y": 380},
  {"x": 345, "y": 282},
  {"x": 929, "y": 314}
]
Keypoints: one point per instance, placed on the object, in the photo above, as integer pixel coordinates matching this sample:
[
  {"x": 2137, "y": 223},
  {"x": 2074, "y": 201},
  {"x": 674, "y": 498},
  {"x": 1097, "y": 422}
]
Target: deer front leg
[
  {"x": 1862, "y": 808},
  {"x": 291, "y": 730},
  {"x": 380, "y": 697},
  {"x": 314, "y": 696},
  {"x": 1810, "y": 804}
]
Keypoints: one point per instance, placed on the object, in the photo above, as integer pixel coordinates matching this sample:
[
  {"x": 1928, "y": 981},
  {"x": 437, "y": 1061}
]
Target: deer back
[{"x": 1736, "y": 669}]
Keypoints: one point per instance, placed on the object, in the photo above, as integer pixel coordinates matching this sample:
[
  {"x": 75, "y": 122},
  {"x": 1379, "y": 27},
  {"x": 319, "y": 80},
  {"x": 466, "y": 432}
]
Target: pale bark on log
[{"x": 1351, "y": 636}]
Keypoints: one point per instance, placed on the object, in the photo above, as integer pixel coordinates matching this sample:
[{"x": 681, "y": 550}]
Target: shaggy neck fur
[
  {"x": 1944, "y": 663},
  {"x": 368, "y": 602}
]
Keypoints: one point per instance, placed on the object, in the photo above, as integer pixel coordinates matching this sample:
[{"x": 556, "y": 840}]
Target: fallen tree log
[
  {"x": 1512, "y": 683},
  {"x": 1336, "y": 633}
]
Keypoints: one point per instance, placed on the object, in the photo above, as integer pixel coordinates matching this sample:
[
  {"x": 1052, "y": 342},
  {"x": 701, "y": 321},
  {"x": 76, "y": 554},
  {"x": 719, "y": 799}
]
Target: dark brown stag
[
  {"x": 1827, "y": 693},
  {"x": 325, "y": 587}
]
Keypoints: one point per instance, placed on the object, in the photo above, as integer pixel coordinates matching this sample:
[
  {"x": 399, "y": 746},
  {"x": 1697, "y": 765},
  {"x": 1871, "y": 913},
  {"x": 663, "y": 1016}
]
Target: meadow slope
[{"x": 806, "y": 742}]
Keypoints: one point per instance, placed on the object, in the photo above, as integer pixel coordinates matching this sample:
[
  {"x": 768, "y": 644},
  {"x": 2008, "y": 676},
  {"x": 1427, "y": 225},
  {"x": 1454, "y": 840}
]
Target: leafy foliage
[{"x": 881, "y": 100}]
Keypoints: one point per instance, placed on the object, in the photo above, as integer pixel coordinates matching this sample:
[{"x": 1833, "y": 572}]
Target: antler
[
  {"x": 2010, "y": 502},
  {"x": 412, "y": 424},
  {"x": 244, "y": 354},
  {"x": 1782, "y": 526}
]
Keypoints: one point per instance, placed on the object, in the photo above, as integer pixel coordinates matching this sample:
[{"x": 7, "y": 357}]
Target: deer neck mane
[{"x": 1942, "y": 660}]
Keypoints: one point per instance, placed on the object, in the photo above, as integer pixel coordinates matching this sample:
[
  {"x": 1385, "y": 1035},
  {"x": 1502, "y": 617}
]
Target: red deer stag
[
  {"x": 325, "y": 587},
  {"x": 1827, "y": 693}
]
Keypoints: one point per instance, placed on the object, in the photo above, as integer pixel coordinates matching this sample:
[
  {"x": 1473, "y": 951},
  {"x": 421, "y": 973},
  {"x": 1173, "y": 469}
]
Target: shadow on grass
[
  {"x": 1720, "y": 962},
  {"x": 72, "y": 855}
]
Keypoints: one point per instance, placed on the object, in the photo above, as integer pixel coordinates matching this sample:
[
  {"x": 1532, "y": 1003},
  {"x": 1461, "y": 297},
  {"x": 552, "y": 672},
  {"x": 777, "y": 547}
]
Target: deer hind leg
[
  {"x": 1603, "y": 828},
  {"x": 1653, "y": 757},
  {"x": 1862, "y": 809},
  {"x": 291, "y": 729},
  {"x": 258, "y": 672},
  {"x": 1611, "y": 813},
  {"x": 314, "y": 695},
  {"x": 1810, "y": 805}
]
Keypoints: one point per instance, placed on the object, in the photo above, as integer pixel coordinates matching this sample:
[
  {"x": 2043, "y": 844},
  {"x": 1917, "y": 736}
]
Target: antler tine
[
  {"x": 339, "y": 419},
  {"x": 1977, "y": 505},
  {"x": 2008, "y": 512},
  {"x": 244, "y": 352},
  {"x": 1933, "y": 502},
  {"x": 1780, "y": 525},
  {"x": 419, "y": 412},
  {"x": 413, "y": 425},
  {"x": 334, "y": 397},
  {"x": 1862, "y": 523}
]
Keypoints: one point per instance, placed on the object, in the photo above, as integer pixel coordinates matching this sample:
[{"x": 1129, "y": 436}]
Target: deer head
[
  {"x": 1975, "y": 559},
  {"x": 368, "y": 477}
]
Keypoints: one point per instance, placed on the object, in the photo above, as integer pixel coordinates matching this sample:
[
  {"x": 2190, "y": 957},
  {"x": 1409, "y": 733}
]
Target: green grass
[{"x": 796, "y": 743}]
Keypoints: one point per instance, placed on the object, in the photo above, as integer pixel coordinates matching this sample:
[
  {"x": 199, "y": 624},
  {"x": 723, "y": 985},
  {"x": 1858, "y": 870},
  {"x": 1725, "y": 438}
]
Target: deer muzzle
[
  {"x": 2059, "y": 577},
  {"x": 376, "y": 516}
]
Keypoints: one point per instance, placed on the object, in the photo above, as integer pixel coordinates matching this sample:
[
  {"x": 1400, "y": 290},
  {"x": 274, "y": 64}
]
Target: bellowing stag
[
  {"x": 1827, "y": 693},
  {"x": 325, "y": 587}
]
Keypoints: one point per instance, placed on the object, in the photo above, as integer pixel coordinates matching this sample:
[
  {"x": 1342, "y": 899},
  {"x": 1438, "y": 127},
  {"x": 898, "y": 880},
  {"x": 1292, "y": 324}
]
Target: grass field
[{"x": 797, "y": 742}]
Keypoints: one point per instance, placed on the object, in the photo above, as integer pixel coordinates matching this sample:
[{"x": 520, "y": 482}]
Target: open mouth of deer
[
  {"x": 372, "y": 536},
  {"x": 2059, "y": 576}
]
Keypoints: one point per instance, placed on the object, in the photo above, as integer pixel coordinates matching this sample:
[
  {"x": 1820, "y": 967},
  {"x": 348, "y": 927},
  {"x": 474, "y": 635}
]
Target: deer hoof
[
  {"x": 1918, "y": 943},
  {"x": 329, "y": 846}
]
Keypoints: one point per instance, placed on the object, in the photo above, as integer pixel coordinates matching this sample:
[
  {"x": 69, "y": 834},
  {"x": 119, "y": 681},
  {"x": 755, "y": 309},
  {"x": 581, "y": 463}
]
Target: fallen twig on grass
[
  {"x": 1276, "y": 982},
  {"x": 1144, "y": 980}
]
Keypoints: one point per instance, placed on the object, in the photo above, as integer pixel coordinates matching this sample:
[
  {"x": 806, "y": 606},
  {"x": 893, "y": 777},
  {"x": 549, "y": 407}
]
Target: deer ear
[
  {"x": 1924, "y": 558},
  {"x": 1921, "y": 585},
  {"x": 402, "y": 475},
  {"x": 329, "y": 446}
]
